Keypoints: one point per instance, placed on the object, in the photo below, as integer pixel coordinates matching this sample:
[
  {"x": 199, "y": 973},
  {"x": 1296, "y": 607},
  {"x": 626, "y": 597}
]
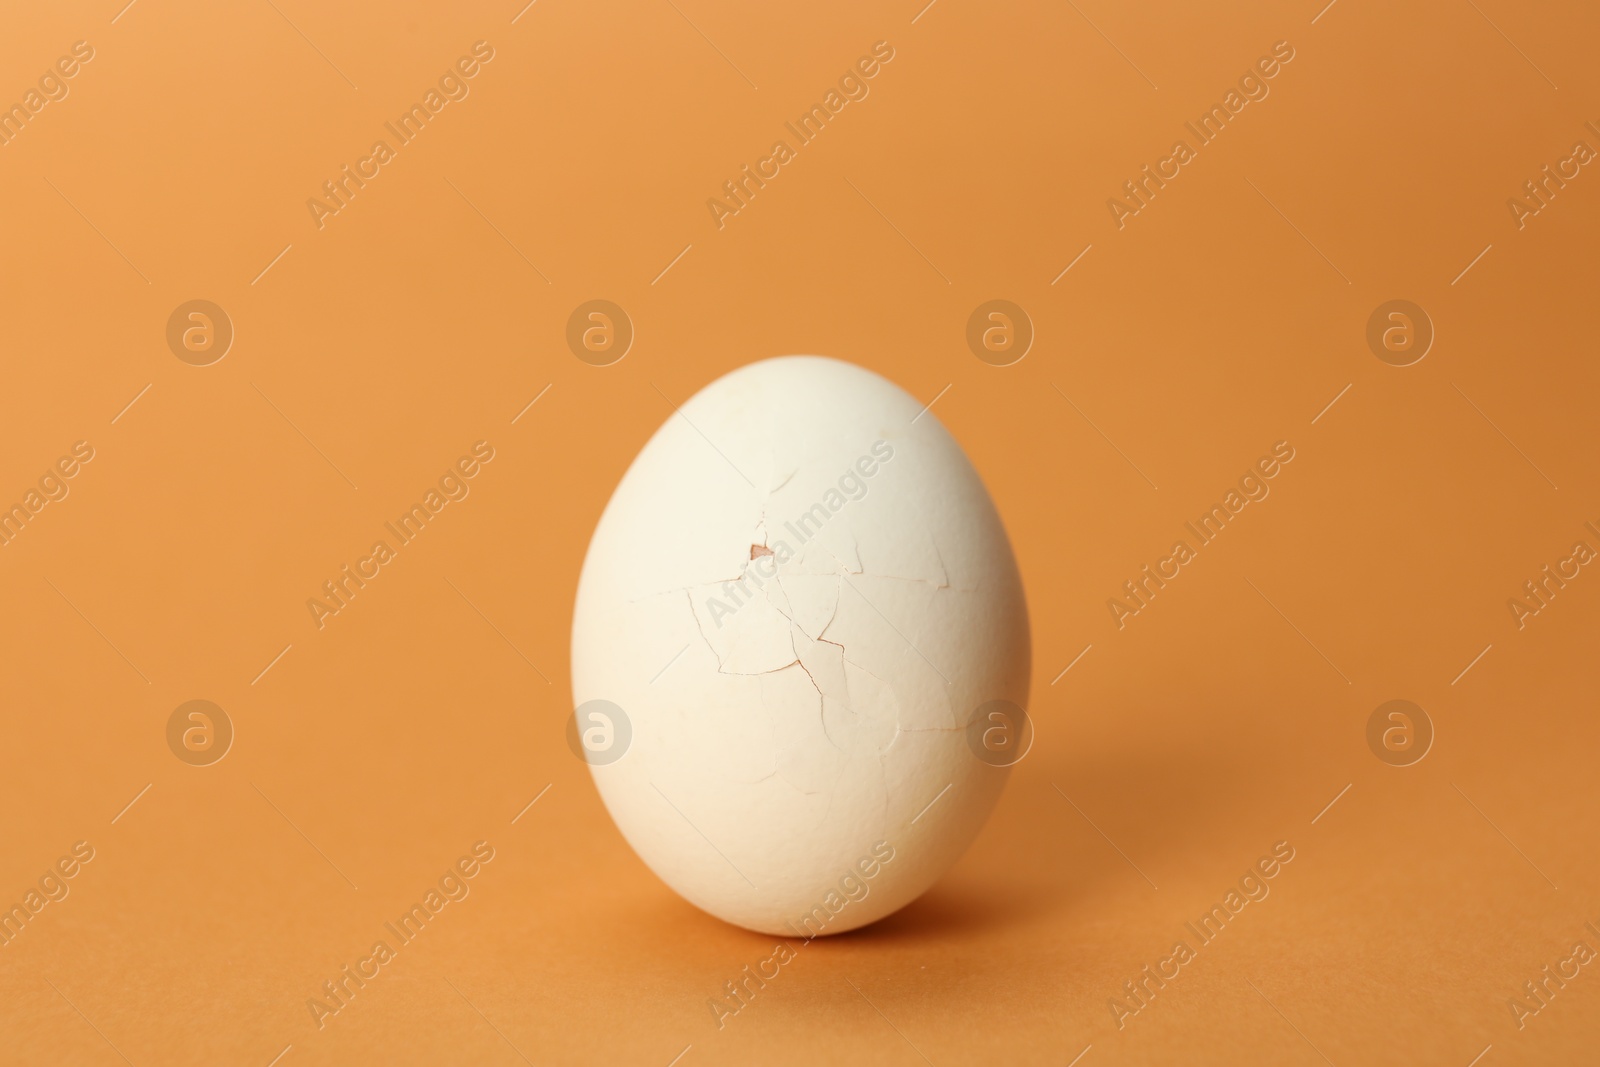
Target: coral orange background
[{"x": 369, "y": 354}]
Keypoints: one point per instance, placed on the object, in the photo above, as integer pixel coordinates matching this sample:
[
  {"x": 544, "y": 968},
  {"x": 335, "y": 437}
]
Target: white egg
[{"x": 800, "y": 608}]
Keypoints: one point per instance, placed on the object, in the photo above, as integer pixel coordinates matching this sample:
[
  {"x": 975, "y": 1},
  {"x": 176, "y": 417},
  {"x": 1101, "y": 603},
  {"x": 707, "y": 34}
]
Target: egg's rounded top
[{"x": 800, "y": 596}]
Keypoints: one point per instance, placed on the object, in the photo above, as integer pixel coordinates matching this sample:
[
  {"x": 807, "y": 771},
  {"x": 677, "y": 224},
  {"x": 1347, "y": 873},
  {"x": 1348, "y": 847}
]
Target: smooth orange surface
[{"x": 375, "y": 346}]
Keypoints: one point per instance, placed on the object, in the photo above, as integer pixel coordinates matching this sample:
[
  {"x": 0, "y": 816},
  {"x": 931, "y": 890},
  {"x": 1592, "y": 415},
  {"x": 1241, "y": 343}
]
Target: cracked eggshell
[{"x": 800, "y": 594}]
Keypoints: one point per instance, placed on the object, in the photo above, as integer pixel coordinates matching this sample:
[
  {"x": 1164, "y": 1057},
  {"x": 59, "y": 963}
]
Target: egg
[{"x": 800, "y": 650}]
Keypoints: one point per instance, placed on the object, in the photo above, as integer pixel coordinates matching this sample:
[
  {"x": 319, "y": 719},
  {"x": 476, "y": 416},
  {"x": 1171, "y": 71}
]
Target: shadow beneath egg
[
  {"x": 1093, "y": 832},
  {"x": 950, "y": 911}
]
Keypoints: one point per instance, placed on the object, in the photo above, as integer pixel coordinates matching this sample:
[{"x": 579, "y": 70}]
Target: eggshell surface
[{"x": 798, "y": 600}]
